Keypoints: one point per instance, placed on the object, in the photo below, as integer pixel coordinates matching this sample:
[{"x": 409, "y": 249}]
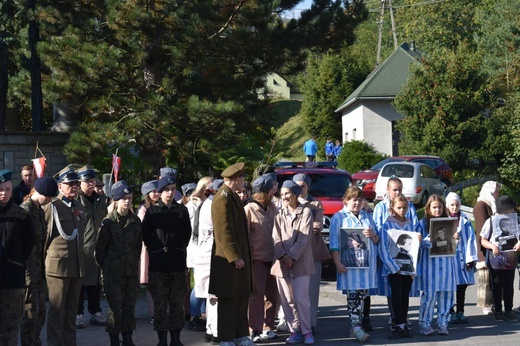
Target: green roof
[{"x": 388, "y": 78}]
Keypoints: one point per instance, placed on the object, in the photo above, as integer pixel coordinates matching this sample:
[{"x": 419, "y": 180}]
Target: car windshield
[
  {"x": 379, "y": 165},
  {"x": 324, "y": 185},
  {"x": 398, "y": 170}
]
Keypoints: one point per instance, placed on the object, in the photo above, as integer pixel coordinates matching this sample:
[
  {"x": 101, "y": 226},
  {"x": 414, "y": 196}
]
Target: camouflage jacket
[
  {"x": 34, "y": 271},
  {"x": 118, "y": 246}
]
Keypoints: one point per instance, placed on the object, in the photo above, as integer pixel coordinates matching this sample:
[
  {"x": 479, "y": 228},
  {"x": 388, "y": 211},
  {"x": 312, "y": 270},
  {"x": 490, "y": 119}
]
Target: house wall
[
  {"x": 278, "y": 86},
  {"x": 371, "y": 121}
]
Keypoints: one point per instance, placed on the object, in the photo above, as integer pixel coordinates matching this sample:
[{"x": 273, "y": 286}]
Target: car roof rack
[{"x": 310, "y": 164}]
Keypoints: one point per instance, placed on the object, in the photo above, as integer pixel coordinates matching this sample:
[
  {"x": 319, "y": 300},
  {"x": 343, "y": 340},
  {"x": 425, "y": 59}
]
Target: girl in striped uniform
[
  {"x": 436, "y": 275},
  {"x": 400, "y": 283},
  {"x": 465, "y": 258},
  {"x": 356, "y": 283}
]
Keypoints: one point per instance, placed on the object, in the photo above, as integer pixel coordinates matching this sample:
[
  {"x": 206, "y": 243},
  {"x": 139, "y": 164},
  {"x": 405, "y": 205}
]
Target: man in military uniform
[
  {"x": 166, "y": 234},
  {"x": 16, "y": 244},
  {"x": 230, "y": 276},
  {"x": 95, "y": 211},
  {"x": 64, "y": 261},
  {"x": 34, "y": 305},
  {"x": 118, "y": 250}
]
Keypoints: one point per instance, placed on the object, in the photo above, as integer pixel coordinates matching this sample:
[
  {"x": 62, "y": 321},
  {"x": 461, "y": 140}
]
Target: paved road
[{"x": 333, "y": 330}]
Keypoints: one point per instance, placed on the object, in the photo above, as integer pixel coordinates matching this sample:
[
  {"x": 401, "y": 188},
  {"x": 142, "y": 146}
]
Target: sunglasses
[{"x": 72, "y": 183}]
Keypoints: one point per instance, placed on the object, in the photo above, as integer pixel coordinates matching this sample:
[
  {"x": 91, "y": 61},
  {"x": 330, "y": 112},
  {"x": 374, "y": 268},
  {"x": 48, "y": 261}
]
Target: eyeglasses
[{"x": 72, "y": 183}]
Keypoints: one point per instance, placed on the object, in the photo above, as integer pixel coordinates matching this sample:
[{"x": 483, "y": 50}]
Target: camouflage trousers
[
  {"x": 121, "y": 294},
  {"x": 168, "y": 292},
  {"x": 11, "y": 310},
  {"x": 34, "y": 315}
]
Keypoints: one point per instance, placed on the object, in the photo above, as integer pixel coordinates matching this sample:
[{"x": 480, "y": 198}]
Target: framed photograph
[
  {"x": 442, "y": 230},
  {"x": 355, "y": 248},
  {"x": 505, "y": 231},
  {"x": 404, "y": 249}
]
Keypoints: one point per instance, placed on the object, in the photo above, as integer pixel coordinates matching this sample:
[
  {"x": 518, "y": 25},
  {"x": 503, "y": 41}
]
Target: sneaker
[
  {"x": 97, "y": 319},
  {"x": 398, "y": 333},
  {"x": 408, "y": 332},
  {"x": 268, "y": 335},
  {"x": 80, "y": 321},
  {"x": 498, "y": 317},
  {"x": 361, "y": 336},
  {"x": 244, "y": 341},
  {"x": 308, "y": 339},
  {"x": 392, "y": 327},
  {"x": 453, "y": 318},
  {"x": 294, "y": 338},
  {"x": 207, "y": 337},
  {"x": 367, "y": 326},
  {"x": 426, "y": 331},
  {"x": 462, "y": 318},
  {"x": 255, "y": 336},
  {"x": 487, "y": 310},
  {"x": 517, "y": 309},
  {"x": 282, "y": 326},
  {"x": 443, "y": 330},
  {"x": 510, "y": 316}
]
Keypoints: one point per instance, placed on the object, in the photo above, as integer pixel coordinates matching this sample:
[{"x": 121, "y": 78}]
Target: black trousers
[
  {"x": 400, "y": 286},
  {"x": 461, "y": 298},
  {"x": 232, "y": 318},
  {"x": 94, "y": 297},
  {"x": 502, "y": 287}
]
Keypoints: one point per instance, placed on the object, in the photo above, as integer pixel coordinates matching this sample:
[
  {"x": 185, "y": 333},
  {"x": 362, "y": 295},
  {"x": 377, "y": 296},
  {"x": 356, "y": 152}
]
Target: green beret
[
  {"x": 5, "y": 175},
  {"x": 234, "y": 171}
]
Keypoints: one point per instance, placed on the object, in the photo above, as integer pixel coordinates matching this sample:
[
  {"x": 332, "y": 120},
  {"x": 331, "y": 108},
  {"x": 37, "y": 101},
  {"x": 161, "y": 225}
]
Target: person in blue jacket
[
  {"x": 337, "y": 149},
  {"x": 310, "y": 148},
  {"x": 329, "y": 150}
]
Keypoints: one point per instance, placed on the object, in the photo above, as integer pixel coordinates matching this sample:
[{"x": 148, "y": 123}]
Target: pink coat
[
  {"x": 260, "y": 226},
  {"x": 292, "y": 237}
]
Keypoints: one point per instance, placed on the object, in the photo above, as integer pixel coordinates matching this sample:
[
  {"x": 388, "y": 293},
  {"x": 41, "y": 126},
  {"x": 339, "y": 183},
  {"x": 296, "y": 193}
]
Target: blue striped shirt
[
  {"x": 382, "y": 211},
  {"x": 466, "y": 251},
  {"x": 354, "y": 278},
  {"x": 435, "y": 273}
]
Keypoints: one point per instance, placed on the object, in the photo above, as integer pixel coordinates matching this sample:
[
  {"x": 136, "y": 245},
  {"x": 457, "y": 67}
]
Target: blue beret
[
  {"x": 291, "y": 185},
  {"x": 271, "y": 176},
  {"x": 168, "y": 171},
  {"x": 46, "y": 186},
  {"x": 148, "y": 187},
  {"x": 303, "y": 177},
  {"x": 263, "y": 184},
  {"x": 216, "y": 184},
  {"x": 187, "y": 189},
  {"x": 119, "y": 190},
  {"x": 5, "y": 175},
  {"x": 165, "y": 181}
]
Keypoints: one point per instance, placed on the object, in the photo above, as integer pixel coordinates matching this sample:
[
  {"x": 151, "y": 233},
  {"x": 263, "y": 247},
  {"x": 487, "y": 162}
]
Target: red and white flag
[
  {"x": 116, "y": 165},
  {"x": 39, "y": 166}
]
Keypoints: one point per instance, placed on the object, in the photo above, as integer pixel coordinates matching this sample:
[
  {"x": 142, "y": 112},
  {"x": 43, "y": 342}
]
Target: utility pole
[
  {"x": 394, "y": 31},
  {"x": 381, "y": 17}
]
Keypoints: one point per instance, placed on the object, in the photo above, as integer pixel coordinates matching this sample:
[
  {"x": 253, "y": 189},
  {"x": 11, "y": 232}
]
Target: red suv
[
  {"x": 328, "y": 185},
  {"x": 366, "y": 179}
]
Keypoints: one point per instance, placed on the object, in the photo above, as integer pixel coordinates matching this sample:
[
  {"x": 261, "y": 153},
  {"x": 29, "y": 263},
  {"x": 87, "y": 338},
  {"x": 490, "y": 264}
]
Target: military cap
[
  {"x": 5, "y": 175},
  {"x": 86, "y": 173},
  {"x": 504, "y": 203},
  {"x": 165, "y": 181},
  {"x": 187, "y": 189},
  {"x": 46, "y": 186},
  {"x": 234, "y": 171},
  {"x": 303, "y": 177},
  {"x": 168, "y": 171},
  {"x": 66, "y": 175},
  {"x": 120, "y": 190},
  {"x": 216, "y": 184},
  {"x": 148, "y": 187},
  {"x": 263, "y": 183},
  {"x": 291, "y": 185}
]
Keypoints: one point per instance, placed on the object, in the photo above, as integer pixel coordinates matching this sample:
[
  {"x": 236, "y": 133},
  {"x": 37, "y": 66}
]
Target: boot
[
  {"x": 176, "y": 337},
  {"x": 163, "y": 338},
  {"x": 114, "y": 339},
  {"x": 127, "y": 339}
]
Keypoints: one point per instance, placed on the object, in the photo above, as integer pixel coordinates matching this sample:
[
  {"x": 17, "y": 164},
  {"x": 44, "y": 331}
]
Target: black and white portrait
[
  {"x": 404, "y": 250},
  {"x": 442, "y": 230},
  {"x": 355, "y": 248}
]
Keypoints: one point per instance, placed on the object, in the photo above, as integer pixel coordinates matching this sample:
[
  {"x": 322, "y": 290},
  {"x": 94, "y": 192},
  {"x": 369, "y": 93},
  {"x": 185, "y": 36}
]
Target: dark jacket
[
  {"x": 119, "y": 244},
  {"x": 19, "y": 192},
  {"x": 35, "y": 274},
  {"x": 166, "y": 234},
  {"x": 231, "y": 243},
  {"x": 16, "y": 244}
]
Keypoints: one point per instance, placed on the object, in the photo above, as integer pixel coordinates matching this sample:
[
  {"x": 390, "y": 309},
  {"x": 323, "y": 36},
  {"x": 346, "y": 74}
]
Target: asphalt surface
[{"x": 333, "y": 327}]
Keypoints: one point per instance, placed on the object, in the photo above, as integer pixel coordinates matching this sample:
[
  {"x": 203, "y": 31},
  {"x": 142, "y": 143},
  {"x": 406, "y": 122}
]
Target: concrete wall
[{"x": 17, "y": 149}]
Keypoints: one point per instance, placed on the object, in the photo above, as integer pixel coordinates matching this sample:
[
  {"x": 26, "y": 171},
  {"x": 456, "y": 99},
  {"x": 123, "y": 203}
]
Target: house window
[{"x": 354, "y": 134}]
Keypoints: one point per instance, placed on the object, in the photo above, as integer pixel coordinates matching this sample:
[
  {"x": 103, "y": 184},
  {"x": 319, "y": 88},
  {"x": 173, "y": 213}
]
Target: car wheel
[{"x": 424, "y": 199}]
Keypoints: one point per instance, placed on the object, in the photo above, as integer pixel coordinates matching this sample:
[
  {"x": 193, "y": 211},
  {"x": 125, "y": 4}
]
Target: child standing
[
  {"x": 356, "y": 282},
  {"x": 465, "y": 258},
  {"x": 436, "y": 275},
  {"x": 400, "y": 283},
  {"x": 502, "y": 279}
]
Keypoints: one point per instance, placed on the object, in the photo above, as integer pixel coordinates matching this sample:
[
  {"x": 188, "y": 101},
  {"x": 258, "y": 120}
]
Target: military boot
[
  {"x": 114, "y": 339},
  {"x": 176, "y": 337},
  {"x": 163, "y": 338},
  {"x": 127, "y": 339}
]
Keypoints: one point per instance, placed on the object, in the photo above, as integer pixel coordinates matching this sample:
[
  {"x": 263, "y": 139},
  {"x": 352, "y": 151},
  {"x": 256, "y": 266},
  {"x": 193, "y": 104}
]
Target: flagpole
[{"x": 112, "y": 172}]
